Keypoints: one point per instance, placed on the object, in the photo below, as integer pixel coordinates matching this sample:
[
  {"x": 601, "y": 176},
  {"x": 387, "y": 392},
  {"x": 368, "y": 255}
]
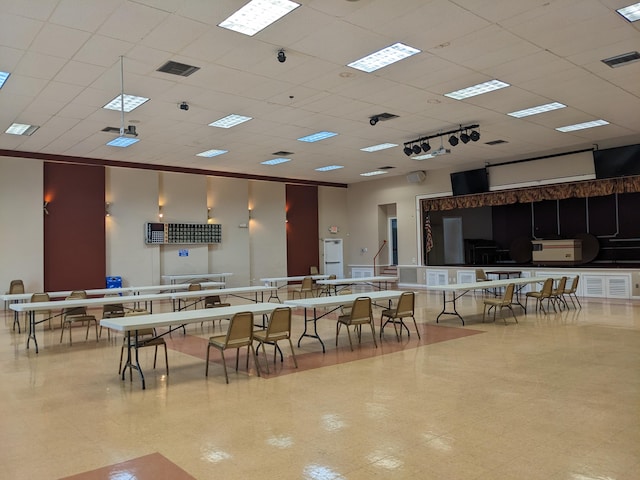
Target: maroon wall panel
[
  {"x": 302, "y": 229},
  {"x": 74, "y": 229}
]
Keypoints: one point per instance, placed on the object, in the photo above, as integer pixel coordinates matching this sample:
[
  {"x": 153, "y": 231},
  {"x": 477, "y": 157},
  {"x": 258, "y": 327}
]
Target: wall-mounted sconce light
[
  {"x": 44, "y": 207},
  {"x": 250, "y": 214},
  {"x": 107, "y": 209},
  {"x": 209, "y": 214},
  {"x": 160, "y": 212}
]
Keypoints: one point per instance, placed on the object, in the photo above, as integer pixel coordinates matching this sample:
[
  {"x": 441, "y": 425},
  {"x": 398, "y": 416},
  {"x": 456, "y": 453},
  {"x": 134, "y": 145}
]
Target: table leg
[
  {"x": 454, "y": 297},
  {"x": 130, "y": 362},
  {"x": 315, "y": 329},
  {"x": 32, "y": 330}
]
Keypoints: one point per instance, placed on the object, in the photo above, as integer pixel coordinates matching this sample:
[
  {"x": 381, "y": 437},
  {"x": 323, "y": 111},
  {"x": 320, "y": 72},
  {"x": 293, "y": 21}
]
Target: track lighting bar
[{"x": 442, "y": 134}]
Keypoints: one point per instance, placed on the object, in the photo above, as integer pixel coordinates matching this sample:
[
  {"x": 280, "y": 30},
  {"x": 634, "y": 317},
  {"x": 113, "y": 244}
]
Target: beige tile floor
[{"x": 554, "y": 397}]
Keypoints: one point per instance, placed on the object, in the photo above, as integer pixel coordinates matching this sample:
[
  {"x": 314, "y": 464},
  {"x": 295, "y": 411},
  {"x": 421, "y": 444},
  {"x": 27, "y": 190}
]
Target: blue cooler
[{"x": 114, "y": 282}]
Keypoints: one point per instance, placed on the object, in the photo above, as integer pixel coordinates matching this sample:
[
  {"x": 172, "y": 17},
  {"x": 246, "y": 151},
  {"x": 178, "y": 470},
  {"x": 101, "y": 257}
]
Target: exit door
[{"x": 333, "y": 262}]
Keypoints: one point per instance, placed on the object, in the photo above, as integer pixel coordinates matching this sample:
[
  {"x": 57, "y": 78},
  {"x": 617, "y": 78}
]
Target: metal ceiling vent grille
[
  {"x": 385, "y": 116},
  {"x": 620, "y": 60},
  {"x": 282, "y": 153},
  {"x": 175, "y": 68},
  {"x": 495, "y": 142}
]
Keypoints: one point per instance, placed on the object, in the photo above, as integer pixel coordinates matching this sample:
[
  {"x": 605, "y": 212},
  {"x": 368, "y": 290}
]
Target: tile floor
[{"x": 555, "y": 397}]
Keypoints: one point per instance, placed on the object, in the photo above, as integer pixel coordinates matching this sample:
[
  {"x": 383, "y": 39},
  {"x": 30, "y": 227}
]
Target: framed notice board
[{"x": 177, "y": 233}]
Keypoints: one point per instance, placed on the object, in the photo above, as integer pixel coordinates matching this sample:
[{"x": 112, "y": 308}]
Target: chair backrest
[
  {"x": 346, "y": 309},
  {"x": 194, "y": 287},
  {"x": 361, "y": 309},
  {"x": 16, "y": 286},
  {"x": 279, "y": 321},
  {"x": 113, "y": 310},
  {"x": 307, "y": 284},
  {"x": 313, "y": 270},
  {"x": 332, "y": 277},
  {"x": 40, "y": 297},
  {"x": 74, "y": 310},
  {"x": 240, "y": 331},
  {"x": 547, "y": 287},
  {"x": 508, "y": 294},
  {"x": 562, "y": 285},
  {"x": 77, "y": 294},
  {"x": 574, "y": 284},
  {"x": 480, "y": 275},
  {"x": 406, "y": 304}
]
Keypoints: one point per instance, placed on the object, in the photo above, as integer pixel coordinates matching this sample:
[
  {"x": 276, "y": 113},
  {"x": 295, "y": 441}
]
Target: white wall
[
  {"x": 133, "y": 195},
  {"x": 332, "y": 212},
  {"x": 229, "y": 203},
  {"x": 184, "y": 200},
  {"x": 22, "y": 225}
]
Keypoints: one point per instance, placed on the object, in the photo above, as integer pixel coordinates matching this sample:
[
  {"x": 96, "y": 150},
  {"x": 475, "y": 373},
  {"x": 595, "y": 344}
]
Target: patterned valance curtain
[{"x": 590, "y": 188}]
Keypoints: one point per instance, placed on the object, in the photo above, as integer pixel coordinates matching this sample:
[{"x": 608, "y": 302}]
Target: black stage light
[
  {"x": 407, "y": 150},
  {"x": 475, "y": 136},
  {"x": 425, "y": 147},
  {"x": 416, "y": 149},
  {"x": 453, "y": 140},
  {"x": 281, "y": 56},
  {"x": 373, "y": 120},
  {"x": 465, "y": 137}
]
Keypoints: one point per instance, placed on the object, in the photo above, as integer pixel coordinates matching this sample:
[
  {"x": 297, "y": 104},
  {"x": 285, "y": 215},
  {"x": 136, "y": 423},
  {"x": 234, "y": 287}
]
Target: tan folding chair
[
  {"x": 146, "y": 337},
  {"x": 75, "y": 315},
  {"x": 500, "y": 303},
  {"x": 404, "y": 308},
  {"x": 571, "y": 291},
  {"x": 278, "y": 328},
  {"x": 239, "y": 334},
  {"x": 541, "y": 295},
  {"x": 306, "y": 288},
  {"x": 360, "y": 315}
]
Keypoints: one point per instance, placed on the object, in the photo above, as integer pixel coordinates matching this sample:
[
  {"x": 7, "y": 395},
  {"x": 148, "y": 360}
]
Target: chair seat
[
  {"x": 261, "y": 335},
  {"x": 494, "y": 302},
  {"x": 346, "y": 319}
]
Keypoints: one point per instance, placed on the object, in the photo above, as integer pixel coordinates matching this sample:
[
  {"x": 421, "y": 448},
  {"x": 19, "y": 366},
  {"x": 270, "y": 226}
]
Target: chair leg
[
  {"x": 121, "y": 355},
  {"x": 166, "y": 359},
  {"x": 512, "y": 313},
  {"x": 349, "y": 334},
  {"x": 373, "y": 332},
  {"x": 206, "y": 371},
  {"x": 155, "y": 356},
  {"x": 293, "y": 353},
  {"x": 224, "y": 364},
  {"x": 255, "y": 359},
  {"x": 265, "y": 354},
  {"x": 415, "y": 324}
]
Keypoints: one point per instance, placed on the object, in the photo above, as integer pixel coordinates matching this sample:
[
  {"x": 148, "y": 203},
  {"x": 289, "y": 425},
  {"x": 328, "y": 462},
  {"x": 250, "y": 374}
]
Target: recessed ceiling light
[
  {"x": 384, "y": 57},
  {"x": 21, "y": 129},
  {"x": 424, "y": 157},
  {"x": 230, "y": 121},
  {"x": 211, "y": 153},
  {"x": 381, "y": 146},
  {"x": 317, "y": 136},
  {"x": 329, "y": 167},
  {"x": 122, "y": 142},
  {"x": 130, "y": 102},
  {"x": 276, "y": 161},
  {"x": 371, "y": 174},
  {"x": 535, "y": 110},
  {"x": 3, "y": 78},
  {"x": 479, "y": 89},
  {"x": 258, "y": 14},
  {"x": 582, "y": 126},
  {"x": 631, "y": 13}
]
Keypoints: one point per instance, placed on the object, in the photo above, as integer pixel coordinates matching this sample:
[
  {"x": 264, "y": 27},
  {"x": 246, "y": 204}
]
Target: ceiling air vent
[
  {"x": 495, "y": 142},
  {"x": 386, "y": 168},
  {"x": 175, "y": 68},
  {"x": 282, "y": 153},
  {"x": 620, "y": 60}
]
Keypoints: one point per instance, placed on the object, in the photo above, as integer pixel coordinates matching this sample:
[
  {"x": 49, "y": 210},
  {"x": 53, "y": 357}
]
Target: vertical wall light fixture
[
  {"x": 44, "y": 207},
  {"x": 160, "y": 212},
  {"x": 107, "y": 209}
]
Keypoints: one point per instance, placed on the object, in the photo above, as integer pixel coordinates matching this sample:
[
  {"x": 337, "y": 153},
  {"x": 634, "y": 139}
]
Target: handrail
[{"x": 384, "y": 242}]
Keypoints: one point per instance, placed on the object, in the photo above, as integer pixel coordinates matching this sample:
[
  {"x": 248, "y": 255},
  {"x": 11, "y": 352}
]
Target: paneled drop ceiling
[{"x": 64, "y": 60}]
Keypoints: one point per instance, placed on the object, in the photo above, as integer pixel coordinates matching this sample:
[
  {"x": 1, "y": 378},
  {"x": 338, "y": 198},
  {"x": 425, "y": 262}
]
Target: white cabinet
[
  {"x": 437, "y": 277},
  {"x": 605, "y": 286}
]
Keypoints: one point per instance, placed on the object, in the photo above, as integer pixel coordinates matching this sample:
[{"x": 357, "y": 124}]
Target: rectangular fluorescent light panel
[
  {"x": 276, "y": 161},
  {"x": 424, "y": 157},
  {"x": 258, "y": 14},
  {"x": 535, "y": 110},
  {"x": 371, "y": 174},
  {"x": 391, "y": 54},
  {"x": 21, "y": 129},
  {"x": 631, "y": 13},
  {"x": 317, "y": 136},
  {"x": 211, "y": 153},
  {"x": 328, "y": 168},
  {"x": 130, "y": 102},
  {"x": 3, "y": 78},
  {"x": 230, "y": 121},
  {"x": 122, "y": 142},
  {"x": 582, "y": 126},
  {"x": 479, "y": 89},
  {"x": 382, "y": 146}
]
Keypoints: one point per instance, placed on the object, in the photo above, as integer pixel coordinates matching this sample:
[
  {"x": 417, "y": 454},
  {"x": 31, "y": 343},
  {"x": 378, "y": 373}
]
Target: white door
[{"x": 333, "y": 263}]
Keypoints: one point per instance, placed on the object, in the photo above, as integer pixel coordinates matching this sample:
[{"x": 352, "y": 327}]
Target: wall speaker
[{"x": 416, "y": 177}]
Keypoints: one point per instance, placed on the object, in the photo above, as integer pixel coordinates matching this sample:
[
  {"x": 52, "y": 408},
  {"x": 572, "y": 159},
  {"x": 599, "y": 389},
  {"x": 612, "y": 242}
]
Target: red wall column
[
  {"x": 302, "y": 229},
  {"x": 74, "y": 229}
]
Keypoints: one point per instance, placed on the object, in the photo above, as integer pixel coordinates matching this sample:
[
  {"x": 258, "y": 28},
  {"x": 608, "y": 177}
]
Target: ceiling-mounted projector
[{"x": 440, "y": 151}]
